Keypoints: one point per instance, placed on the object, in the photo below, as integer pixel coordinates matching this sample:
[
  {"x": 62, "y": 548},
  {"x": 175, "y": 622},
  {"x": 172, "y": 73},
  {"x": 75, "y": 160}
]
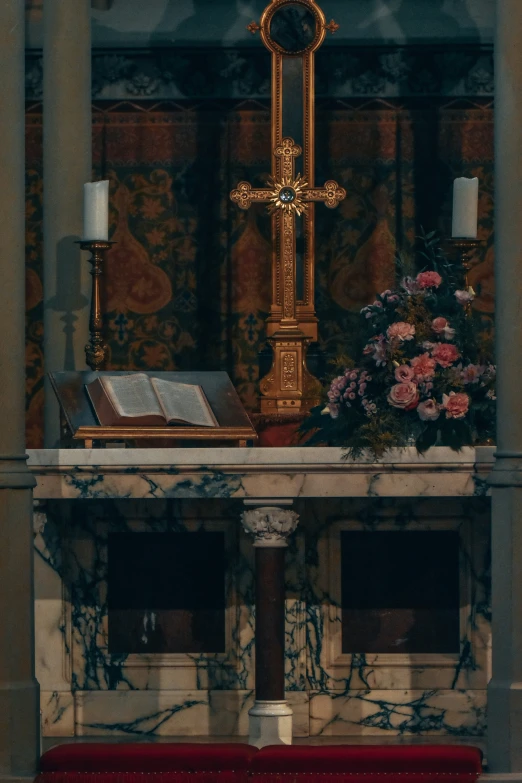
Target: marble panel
[
  {"x": 174, "y": 713},
  {"x": 399, "y": 712},
  {"x": 331, "y": 669},
  {"x": 57, "y": 709}
]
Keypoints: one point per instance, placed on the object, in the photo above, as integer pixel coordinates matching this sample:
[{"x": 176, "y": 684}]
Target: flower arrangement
[{"x": 424, "y": 374}]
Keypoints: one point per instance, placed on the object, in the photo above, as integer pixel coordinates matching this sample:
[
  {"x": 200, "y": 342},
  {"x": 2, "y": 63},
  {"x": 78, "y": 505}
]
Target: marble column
[
  {"x": 67, "y": 154},
  {"x": 270, "y": 717},
  {"x": 505, "y": 688},
  {"x": 19, "y": 695}
]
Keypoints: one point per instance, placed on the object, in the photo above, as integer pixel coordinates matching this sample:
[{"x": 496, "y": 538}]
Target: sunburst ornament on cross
[{"x": 292, "y": 30}]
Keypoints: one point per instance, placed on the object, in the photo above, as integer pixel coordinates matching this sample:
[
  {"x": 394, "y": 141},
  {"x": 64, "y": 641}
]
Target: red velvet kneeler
[
  {"x": 134, "y": 762},
  {"x": 366, "y": 764},
  {"x": 236, "y": 763}
]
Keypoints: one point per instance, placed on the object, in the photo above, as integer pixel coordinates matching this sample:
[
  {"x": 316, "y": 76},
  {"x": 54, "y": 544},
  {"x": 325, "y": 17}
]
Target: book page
[
  {"x": 184, "y": 402},
  {"x": 132, "y": 395}
]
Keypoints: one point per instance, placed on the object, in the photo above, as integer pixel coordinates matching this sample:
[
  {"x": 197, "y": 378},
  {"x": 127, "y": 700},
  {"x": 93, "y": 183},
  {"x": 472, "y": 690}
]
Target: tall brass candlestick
[
  {"x": 96, "y": 349},
  {"x": 464, "y": 248}
]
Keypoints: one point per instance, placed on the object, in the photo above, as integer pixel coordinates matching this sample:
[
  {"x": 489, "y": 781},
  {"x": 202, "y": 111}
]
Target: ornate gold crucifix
[{"x": 292, "y": 30}]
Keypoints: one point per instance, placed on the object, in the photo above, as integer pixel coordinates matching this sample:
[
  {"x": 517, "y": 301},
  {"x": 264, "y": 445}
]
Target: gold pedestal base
[{"x": 289, "y": 387}]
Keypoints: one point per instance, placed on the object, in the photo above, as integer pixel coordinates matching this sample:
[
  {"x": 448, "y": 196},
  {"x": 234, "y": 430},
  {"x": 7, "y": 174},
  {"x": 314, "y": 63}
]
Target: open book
[{"x": 148, "y": 402}]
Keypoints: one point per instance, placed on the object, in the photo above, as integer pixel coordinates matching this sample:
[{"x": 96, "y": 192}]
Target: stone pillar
[
  {"x": 19, "y": 695},
  {"x": 67, "y": 165},
  {"x": 505, "y": 688},
  {"x": 270, "y": 717}
]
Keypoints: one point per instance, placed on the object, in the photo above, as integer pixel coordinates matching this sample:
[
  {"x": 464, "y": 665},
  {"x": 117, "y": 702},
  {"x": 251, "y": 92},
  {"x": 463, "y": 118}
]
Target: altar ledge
[{"x": 283, "y": 473}]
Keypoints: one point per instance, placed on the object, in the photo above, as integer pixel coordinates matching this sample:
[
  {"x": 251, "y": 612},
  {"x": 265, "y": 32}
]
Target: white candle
[
  {"x": 96, "y": 211},
  {"x": 465, "y": 208}
]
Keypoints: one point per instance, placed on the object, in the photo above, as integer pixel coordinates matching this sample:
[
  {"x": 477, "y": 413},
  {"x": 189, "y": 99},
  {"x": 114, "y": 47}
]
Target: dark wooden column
[
  {"x": 270, "y": 717},
  {"x": 270, "y": 624}
]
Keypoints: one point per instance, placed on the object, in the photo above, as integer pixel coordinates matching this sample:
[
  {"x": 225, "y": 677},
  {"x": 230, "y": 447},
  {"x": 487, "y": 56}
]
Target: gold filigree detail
[
  {"x": 332, "y": 26},
  {"x": 287, "y": 195},
  {"x": 245, "y": 194},
  {"x": 253, "y": 27},
  {"x": 288, "y": 265},
  {"x": 288, "y": 149},
  {"x": 331, "y": 194},
  {"x": 289, "y": 374}
]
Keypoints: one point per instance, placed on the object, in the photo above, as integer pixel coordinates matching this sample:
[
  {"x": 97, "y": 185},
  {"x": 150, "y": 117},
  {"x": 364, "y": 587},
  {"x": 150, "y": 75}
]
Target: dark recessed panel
[
  {"x": 400, "y": 592},
  {"x": 166, "y": 592}
]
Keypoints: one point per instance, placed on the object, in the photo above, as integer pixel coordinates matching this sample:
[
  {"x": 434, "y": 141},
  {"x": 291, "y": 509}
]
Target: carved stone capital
[{"x": 270, "y": 525}]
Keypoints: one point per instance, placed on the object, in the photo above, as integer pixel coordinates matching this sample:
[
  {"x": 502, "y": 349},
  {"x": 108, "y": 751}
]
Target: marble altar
[{"x": 84, "y": 495}]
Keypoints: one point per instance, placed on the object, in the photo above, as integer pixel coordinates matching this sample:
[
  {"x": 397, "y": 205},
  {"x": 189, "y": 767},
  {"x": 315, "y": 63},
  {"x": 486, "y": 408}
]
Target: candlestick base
[
  {"x": 96, "y": 349},
  {"x": 464, "y": 248}
]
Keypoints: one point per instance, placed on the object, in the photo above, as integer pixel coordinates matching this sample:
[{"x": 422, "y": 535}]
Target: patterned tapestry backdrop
[{"x": 187, "y": 283}]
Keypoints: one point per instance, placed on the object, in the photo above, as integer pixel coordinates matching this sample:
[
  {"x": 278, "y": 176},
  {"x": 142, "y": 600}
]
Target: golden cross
[
  {"x": 289, "y": 196},
  {"x": 292, "y": 31}
]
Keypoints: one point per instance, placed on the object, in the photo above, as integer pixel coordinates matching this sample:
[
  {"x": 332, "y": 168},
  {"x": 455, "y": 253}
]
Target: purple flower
[{"x": 411, "y": 286}]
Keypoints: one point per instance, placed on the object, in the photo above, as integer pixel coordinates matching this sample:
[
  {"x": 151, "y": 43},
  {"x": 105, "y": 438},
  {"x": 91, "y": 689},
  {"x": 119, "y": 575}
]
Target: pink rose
[
  {"x": 464, "y": 297},
  {"x": 445, "y": 354},
  {"x": 428, "y": 410},
  {"x": 441, "y": 326},
  {"x": 455, "y": 405},
  {"x": 423, "y": 367},
  {"x": 401, "y": 330},
  {"x": 428, "y": 279},
  {"x": 404, "y": 396},
  {"x": 403, "y": 373}
]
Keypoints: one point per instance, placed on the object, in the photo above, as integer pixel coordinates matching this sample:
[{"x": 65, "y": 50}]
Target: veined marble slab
[
  {"x": 453, "y": 712},
  {"x": 88, "y": 691},
  {"x": 285, "y": 473},
  {"x": 167, "y": 713}
]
